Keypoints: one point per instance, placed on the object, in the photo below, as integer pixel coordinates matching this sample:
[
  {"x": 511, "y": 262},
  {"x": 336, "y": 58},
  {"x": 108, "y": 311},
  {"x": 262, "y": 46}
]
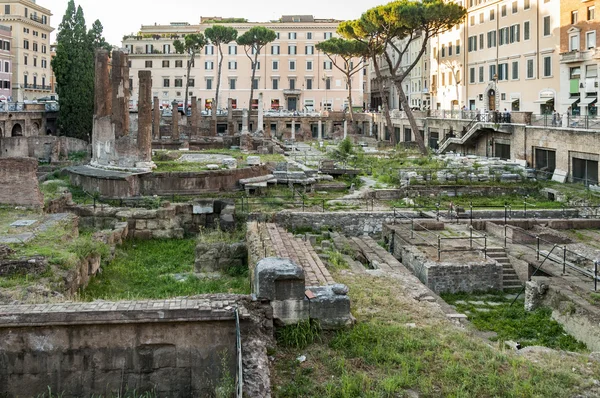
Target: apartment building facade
[
  {"x": 30, "y": 25},
  {"x": 579, "y": 57},
  {"x": 292, "y": 74},
  {"x": 507, "y": 56},
  {"x": 5, "y": 63}
]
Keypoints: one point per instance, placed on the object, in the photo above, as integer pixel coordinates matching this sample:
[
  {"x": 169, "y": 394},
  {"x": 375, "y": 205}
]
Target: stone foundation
[{"x": 19, "y": 182}]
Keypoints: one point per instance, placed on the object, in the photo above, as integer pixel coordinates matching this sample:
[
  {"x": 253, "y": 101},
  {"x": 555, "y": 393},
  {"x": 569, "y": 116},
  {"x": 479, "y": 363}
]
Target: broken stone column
[
  {"x": 144, "y": 137},
  {"x": 370, "y": 128},
  {"x": 175, "y": 122},
  {"x": 120, "y": 93},
  {"x": 345, "y": 129},
  {"x": 320, "y": 130},
  {"x": 230, "y": 126},
  {"x": 282, "y": 283},
  {"x": 195, "y": 118},
  {"x": 156, "y": 120},
  {"x": 103, "y": 134},
  {"x": 245, "y": 121},
  {"x": 260, "y": 113},
  {"x": 293, "y": 130}
]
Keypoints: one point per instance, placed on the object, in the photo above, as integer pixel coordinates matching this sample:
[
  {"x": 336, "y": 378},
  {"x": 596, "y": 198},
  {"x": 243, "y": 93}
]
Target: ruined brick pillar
[
  {"x": 194, "y": 118},
  {"x": 175, "y": 122},
  {"x": 103, "y": 89},
  {"x": 230, "y": 125},
  {"x": 144, "y": 139},
  {"x": 156, "y": 120},
  {"x": 320, "y": 130},
  {"x": 120, "y": 93},
  {"x": 261, "y": 114}
]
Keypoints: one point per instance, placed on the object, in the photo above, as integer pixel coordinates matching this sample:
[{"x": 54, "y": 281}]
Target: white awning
[
  {"x": 588, "y": 100},
  {"x": 543, "y": 100},
  {"x": 571, "y": 101}
]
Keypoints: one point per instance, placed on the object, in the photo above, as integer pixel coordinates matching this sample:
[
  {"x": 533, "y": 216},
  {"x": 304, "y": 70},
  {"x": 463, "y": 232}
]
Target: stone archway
[{"x": 17, "y": 130}]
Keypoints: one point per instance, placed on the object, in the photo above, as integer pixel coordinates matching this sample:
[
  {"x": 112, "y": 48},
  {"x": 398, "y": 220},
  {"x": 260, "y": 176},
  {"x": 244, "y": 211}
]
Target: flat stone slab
[
  {"x": 18, "y": 238},
  {"x": 204, "y": 158},
  {"x": 101, "y": 173},
  {"x": 23, "y": 223}
]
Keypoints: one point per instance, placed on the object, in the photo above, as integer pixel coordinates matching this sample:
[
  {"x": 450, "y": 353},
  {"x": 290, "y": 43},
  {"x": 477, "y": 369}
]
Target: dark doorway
[
  {"x": 492, "y": 100},
  {"x": 17, "y": 130},
  {"x": 502, "y": 151},
  {"x": 545, "y": 160},
  {"x": 407, "y": 134},
  {"x": 292, "y": 103},
  {"x": 434, "y": 137},
  {"x": 222, "y": 128},
  {"x": 585, "y": 171}
]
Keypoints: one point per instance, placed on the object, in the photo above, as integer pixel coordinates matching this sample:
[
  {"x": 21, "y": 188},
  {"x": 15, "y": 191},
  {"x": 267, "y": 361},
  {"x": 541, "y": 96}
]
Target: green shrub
[{"x": 300, "y": 335}]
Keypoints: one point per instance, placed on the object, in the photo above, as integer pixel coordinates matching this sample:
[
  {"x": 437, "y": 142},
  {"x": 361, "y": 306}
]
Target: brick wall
[{"x": 19, "y": 182}]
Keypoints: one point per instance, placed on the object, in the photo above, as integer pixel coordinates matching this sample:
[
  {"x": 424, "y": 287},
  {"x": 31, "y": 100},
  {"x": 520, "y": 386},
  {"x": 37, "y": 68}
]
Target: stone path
[{"x": 302, "y": 253}]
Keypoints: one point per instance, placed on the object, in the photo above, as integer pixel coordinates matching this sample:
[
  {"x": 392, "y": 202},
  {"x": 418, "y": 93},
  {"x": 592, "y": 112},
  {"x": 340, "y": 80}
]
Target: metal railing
[
  {"x": 21, "y": 106},
  {"x": 587, "y": 122}
]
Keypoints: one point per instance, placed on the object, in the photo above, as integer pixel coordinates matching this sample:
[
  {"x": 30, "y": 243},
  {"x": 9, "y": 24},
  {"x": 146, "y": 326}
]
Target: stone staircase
[
  {"x": 302, "y": 253},
  {"x": 510, "y": 280}
]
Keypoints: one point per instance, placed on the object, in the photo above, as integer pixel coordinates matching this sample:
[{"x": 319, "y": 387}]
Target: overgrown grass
[
  {"x": 127, "y": 394},
  {"x": 336, "y": 260},
  {"x": 490, "y": 202},
  {"x": 382, "y": 356},
  {"x": 299, "y": 335},
  {"x": 513, "y": 322},
  {"x": 157, "y": 269}
]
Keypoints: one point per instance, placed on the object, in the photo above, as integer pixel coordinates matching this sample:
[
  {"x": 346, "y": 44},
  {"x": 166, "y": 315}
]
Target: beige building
[
  {"x": 292, "y": 74},
  {"x": 505, "y": 56},
  {"x": 30, "y": 24}
]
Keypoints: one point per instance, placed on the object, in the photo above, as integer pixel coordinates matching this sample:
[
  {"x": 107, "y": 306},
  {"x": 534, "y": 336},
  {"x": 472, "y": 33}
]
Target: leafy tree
[
  {"x": 218, "y": 35},
  {"x": 346, "y": 50},
  {"x": 254, "y": 40},
  {"x": 191, "y": 45},
  {"x": 73, "y": 67},
  {"x": 397, "y": 25}
]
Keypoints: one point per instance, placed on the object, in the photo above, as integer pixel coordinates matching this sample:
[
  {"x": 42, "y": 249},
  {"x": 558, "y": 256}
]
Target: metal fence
[{"x": 588, "y": 122}]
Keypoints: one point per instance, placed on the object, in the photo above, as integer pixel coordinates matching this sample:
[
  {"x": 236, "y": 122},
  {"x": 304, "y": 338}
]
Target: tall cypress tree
[{"x": 73, "y": 67}]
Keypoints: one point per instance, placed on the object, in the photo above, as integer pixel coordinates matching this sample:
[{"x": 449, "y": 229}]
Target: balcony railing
[
  {"x": 37, "y": 87},
  {"x": 22, "y": 107},
  {"x": 292, "y": 91},
  {"x": 570, "y": 56}
]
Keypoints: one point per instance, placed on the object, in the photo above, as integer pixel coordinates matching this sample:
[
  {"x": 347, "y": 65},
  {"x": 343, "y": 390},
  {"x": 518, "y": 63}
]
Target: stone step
[{"x": 512, "y": 287}]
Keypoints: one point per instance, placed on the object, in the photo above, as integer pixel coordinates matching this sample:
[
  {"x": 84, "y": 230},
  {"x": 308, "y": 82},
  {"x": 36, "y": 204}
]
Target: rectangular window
[
  {"x": 327, "y": 65},
  {"x": 327, "y": 35},
  {"x": 309, "y": 50},
  {"x": 443, "y": 50},
  {"x": 491, "y": 38},
  {"x": 232, "y": 84},
  {"x": 178, "y": 82},
  {"x": 328, "y": 84},
  {"x": 292, "y": 84},
  {"x": 209, "y": 50},
  {"x": 309, "y": 65},
  {"x": 591, "y": 71},
  {"x": 7, "y": 9},
  {"x": 574, "y": 15},
  {"x": 503, "y": 71},
  {"x": 26, "y": 44},
  {"x": 526, "y": 5},
  {"x": 493, "y": 72},
  {"x": 457, "y": 45},
  {"x": 547, "y": 25},
  {"x": 232, "y": 49},
  {"x": 291, "y": 35},
  {"x": 492, "y": 15},
  {"x": 292, "y": 50},
  {"x": 481, "y": 42},
  {"x": 481, "y": 74},
  {"x": 275, "y": 65},
  {"x": 503, "y": 12},
  {"x": 35, "y": 47},
  {"x": 232, "y": 65},
  {"x": 192, "y": 82},
  {"x": 449, "y": 49},
  {"x": 526, "y": 26},
  {"x": 591, "y": 13},
  {"x": 148, "y": 64},
  {"x": 34, "y": 61},
  {"x": 590, "y": 39},
  {"x": 309, "y": 35},
  {"x": 574, "y": 42},
  {"x": 166, "y": 82},
  {"x": 515, "y": 7},
  {"x": 530, "y": 69},
  {"x": 309, "y": 83},
  {"x": 481, "y": 18},
  {"x": 292, "y": 65},
  {"x": 575, "y": 73},
  {"x": 44, "y": 49},
  {"x": 165, "y": 64},
  {"x": 209, "y": 84},
  {"x": 275, "y": 84},
  {"x": 255, "y": 84},
  {"x": 275, "y": 49},
  {"x": 25, "y": 60},
  {"x": 515, "y": 70},
  {"x": 179, "y": 64},
  {"x": 472, "y": 20},
  {"x": 209, "y": 65},
  {"x": 515, "y": 34},
  {"x": 547, "y": 66}
]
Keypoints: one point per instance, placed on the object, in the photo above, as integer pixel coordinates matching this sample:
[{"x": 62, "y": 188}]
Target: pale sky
[{"x": 120, "y": 17}]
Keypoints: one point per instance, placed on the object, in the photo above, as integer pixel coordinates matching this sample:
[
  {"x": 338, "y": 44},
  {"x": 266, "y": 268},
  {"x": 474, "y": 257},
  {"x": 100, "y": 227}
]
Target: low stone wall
[
  {"x": 172, "y": 347},
  {"x": 220, "y": 256},
  {"x": 446, "y": 277},
  {"x": 350, "y": 223},
  {"x": 579, "y": 318},
  {"x": 450, "y": 190},
  {"x": 45, "y": 148},
  {"x": 19, "y": 183},
  {"x": 198, "y": 182}
]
